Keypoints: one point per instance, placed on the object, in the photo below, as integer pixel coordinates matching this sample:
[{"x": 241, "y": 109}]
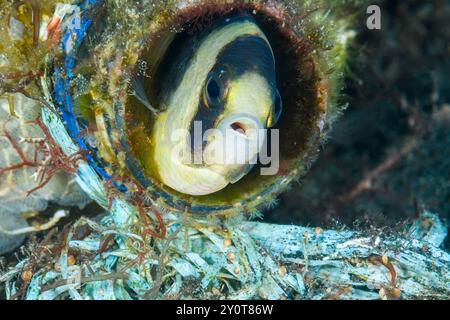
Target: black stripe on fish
[
  {"x": 245, "y": 54},
  {"x": 178, "y": 59}
]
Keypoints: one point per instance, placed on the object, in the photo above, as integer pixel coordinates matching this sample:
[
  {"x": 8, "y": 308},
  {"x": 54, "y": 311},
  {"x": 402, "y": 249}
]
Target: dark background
[{"x": 398, "y": 91}]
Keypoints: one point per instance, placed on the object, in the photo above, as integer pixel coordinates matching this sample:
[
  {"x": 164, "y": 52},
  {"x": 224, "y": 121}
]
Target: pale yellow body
[{"x": 249, "y": 99}]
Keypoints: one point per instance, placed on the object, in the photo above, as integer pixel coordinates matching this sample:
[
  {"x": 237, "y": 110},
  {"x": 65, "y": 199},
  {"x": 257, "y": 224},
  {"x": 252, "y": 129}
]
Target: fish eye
[
  {"x": 214, "y": 89},
  {"x": 278, "y": 108}
]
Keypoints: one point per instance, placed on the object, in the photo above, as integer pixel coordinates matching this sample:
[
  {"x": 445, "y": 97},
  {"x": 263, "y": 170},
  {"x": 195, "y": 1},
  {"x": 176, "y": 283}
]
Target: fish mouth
[
  {"x": 241, "y": 125},
  {"x": 233, "y": 148},
  {"x": 244, "y": 136}
]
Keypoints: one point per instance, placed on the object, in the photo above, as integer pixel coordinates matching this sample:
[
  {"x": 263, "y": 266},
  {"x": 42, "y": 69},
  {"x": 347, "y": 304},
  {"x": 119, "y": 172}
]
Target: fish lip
[
  {"x": 241, "y": 122},
  {"x": 252, "y": 140}
]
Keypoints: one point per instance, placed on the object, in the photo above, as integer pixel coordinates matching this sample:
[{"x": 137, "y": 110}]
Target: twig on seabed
[
  {"x": 367, "y": 181},
  {"x": 50, "y": 224}
]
